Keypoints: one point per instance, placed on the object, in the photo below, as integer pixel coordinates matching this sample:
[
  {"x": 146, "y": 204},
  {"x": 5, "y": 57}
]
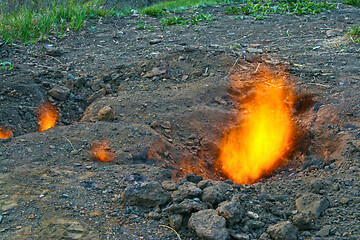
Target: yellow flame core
[
  {"x": 255, "y": 148},
  {"x": 47, "y": 116},
  {"x": 5, "y": 133}
]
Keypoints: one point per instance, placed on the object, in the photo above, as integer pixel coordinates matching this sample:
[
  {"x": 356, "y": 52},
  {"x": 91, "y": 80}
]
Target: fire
[
  {"x": 5, "y": 133},
  {"x": 47, "y": 116},
  {"x": 264, "y": 129},
  {"x": 102, "y": 151}
]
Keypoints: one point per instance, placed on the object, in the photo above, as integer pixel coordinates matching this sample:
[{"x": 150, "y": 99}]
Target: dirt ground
[{"x": 168, "y": 91}]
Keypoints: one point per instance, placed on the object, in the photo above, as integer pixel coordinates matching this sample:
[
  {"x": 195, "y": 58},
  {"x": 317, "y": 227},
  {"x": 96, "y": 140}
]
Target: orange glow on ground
[
  {"x": 5, "y": 133},
  {"x": 264, "y": 131},
  {"x": 47, "y": 116},
  {"x": 102, "y": 151}
]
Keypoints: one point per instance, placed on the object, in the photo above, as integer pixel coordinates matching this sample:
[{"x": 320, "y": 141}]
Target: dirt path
[{"x": 168, "y": 91}]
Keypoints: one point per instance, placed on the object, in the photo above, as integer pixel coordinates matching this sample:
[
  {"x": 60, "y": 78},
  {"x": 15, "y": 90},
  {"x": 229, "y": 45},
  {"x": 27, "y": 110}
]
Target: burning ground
[{"x": 163, "y": 101}]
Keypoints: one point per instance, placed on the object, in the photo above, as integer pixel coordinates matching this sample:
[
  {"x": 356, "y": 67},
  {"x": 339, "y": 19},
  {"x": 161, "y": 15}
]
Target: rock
[
  {"x": 254, "y": 50},
  {"x": 59, "y": 228},
  {"x": 324, "y": 231},
  {"x": 186, "y": 190},
  {"x": 187, "y": 206},
  {"x": 155, "y": 41},
  {"x": 154, "y": 215},
  {"x": 316, "y": 185},
  {"x": 156, "y": 71},
  {"x": 239, "y": 236},
  {"x": 209, "y": 225},
  {"x": 96, "y": 95},
  {"x": 52, "y": 51},
  {"x": 169, "y": 185},
  {"x": 231, "y": 210},
  {"x": 193, "y": 178},
  {"x": 303, "y": 221},
  {"x": 313, "y": 203},
  {"x": 216, "y": 193},
  {"x": 106, "y": 114},
  {"x": 253, "y": 224},
  {"x": 184, "y": 77},
  {"x": 60, "y": 93},
  {"x": 146, "y": 194},
  {"x": 175, "y": 221},
  {"x": 283, "y": 231},
  {"x": 204, "y": 183},
  {"x": 220, "y": 101},
  {"x": 252, "y": 58},
  {"x": 166, "y": 125},
  {"x": 1, "y": 218},
  {"x": 154, "y": 124},
  {"x": 252, "y": 215},
  {"x": 97, "y": 84}
]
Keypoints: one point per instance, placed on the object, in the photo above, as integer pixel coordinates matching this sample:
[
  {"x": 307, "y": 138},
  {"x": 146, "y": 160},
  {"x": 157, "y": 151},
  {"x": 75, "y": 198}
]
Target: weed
[
  {"x": 353, "y": 2},
  {"x": 143, "y": 26},
  {"x": 232, "y": 10},
  {"x": 6, "y": 66},
  {"x": 354, "y": 33},
  {"x": 194, "y": 20},
  {"x": 173, "y": 21},
  {"x": 153, "y": 12},
  {"x": 30, "y": 24}
]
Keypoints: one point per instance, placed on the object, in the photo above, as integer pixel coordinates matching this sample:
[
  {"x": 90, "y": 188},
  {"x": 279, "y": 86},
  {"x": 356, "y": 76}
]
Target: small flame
[
  {"x": 264, "y": 131},
  {"x": 47, "y": 116},
  {"x": 102, "y": 151},
  {"x": 5, "y": 133}
]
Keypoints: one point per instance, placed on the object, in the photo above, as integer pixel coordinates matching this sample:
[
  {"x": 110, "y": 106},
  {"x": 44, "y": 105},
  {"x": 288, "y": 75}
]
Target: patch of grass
[
  {"x": 142, "y": 25},
  {"x": 354, "y": 33},
  {"x": 259, "y": 8},
  {"x": 180, "y": 5},
  {"x": 353, "y": 2},
  {"x": 153, "y": 11},
  {"x": 194, "y": 20},
  {"x": 30, "y": 24},
  {"x": 6, "y": 66},
  {"x": 232, "y": 10}
]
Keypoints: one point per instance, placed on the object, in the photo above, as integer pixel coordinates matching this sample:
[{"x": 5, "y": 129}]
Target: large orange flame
[
  {"x": 264, "y": 132},
  {"x": 47, "y": 116},
  {"x": 5, "y": 133},
  {"x": 102, "y": 151}
]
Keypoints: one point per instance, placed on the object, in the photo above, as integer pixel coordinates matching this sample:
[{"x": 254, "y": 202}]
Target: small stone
[
  {"x": 239, "y": 236},
  {"x": 184, "y": 77},
  {"x": 231, "y": 211},
  {"x": 1, "y": 218},
  {"x": 254, "y": 50},
  {"x": 60, "y": 93},
  {"x": 209, "y": 225},
  {"x": 106, "y": 114},
  {"x": 313, "y": 203},
  {"x": 52, "y": 51},
  {"x": 186, "y": 190},
  {"x": 96, "y": 95},
  {"x": 155, "y": 41},
  {"x": 324, "y": 231},
  {"x": 169, "y": 185},
  {"x": 154, "y": 215},
  {"x": 146, "y": 194},
  {"x": 304, "y": 221},
  {"x": 252, "y": 215},
  {"x": 203, "y": 184},
  {"x": 216, "y": 193},
  {"x": 193, "y": 178},
  {"x": 220, "y": 101},
  {"x": 154, "y": 124},
  {"x": 166, "y": 125},
  {"x": 175, "y": 221},
  {"x": 316, "y": 185},
  {"x": 252, "y": 58},
  {"x": 156, "y": 71},
  {"x": 283, "y": 231}
]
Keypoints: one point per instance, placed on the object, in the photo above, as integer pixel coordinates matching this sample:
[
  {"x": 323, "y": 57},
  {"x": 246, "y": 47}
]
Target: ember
[
  {"x": 102, "y": 151},
  {"x": 264, "y": 130},
  {"x": 47, "y": 116},
  {"x": 5, "y": 133}
]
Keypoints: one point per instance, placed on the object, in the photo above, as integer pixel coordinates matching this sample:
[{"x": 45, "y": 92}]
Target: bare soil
[{"x": 169, "y": 91}]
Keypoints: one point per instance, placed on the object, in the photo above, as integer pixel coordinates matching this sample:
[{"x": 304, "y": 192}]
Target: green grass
[
  {"x": 354, "y": 33},
  {"x": 6, "y": 66},
  {"x": 180, "y": 5},
  {"x": 353, "y": 2},
  {"x": 30, "y": 24},
  {"x": 194, "y": 20}
]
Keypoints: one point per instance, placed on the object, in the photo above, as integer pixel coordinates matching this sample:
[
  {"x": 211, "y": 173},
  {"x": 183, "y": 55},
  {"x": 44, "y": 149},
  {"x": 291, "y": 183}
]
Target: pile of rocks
[{"x": 223, "y": 210}]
